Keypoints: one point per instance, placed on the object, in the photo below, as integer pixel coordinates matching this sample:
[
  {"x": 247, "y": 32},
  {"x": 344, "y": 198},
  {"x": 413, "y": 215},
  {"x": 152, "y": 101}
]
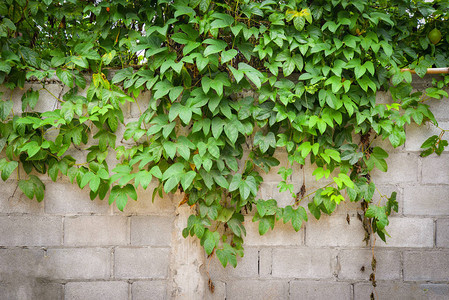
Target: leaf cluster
[{"x": 231, "y": 83}]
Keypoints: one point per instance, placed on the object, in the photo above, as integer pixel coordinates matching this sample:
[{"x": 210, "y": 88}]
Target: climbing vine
[{"x": 231, "y": 82}]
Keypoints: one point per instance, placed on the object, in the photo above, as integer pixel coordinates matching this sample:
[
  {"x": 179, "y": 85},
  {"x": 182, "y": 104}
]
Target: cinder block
[
  {"x": 256, "y": 289},
  {"x": 439, "y": 108},
  {"x": 12, "y": 200},
  {"x": 402, "y": 168},
  {"x": 76, "y": 263},
  {"x": 265, "y": 262},
  {"x": 144, "y": 204},
  {"x": 151, "y": 230},
  {"x": 426, "y": 266},
  {"x": 308, "y": 290},
  {"x": 303, "y": 263},
  {"x": 265, "y": 191},
  {"x": 135, "y": 263},
  {"x": 334, "y": 231},
  {"x": 443, "y": 233},
  {"x": 435, "y": 291},
  {"x": 401, "y": 291},
  {"x": 66, "y": 198},
  {"x": 408, "y": 232},
  {"x": 426, "y": 200},
  {"x": 95, "y": 230},
  {"x": 55, "y": 264},
  {"x": 111, "y": 290},
  {"x": 345, "y": 208},
  {"x": 29, "y": 230},
  {"x": 283, "y": 234},
  {"x": 416, "y": 135},
  {"x": 21, "y": 263},
  {"x": 247, "y": 266},
  {"x": 356, "y": 264},
  {"x": 30, "y": 288},
  {"x": 155, "y": 289},
  {"x": 46, "y": 101},
  {"x": 435, "y": 169}
]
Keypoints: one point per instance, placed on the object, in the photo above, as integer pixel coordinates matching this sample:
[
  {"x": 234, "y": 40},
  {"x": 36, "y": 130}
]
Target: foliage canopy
[{"x": 231, "y": 82}]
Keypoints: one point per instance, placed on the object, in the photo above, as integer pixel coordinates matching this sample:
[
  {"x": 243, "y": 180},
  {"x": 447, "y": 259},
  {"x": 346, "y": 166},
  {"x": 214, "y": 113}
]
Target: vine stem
[
  {"x": 309, "y": 194},
  {"x": 44, "y": 88},
  {"x": 373, "y": 245}
]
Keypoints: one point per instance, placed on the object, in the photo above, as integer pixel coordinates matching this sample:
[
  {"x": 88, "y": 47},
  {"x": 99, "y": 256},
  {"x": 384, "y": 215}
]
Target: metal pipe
[{"x": 430, "y": 71}]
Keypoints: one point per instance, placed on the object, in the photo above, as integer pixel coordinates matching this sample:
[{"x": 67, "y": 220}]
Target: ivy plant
[{"x": 231, "y": 83}]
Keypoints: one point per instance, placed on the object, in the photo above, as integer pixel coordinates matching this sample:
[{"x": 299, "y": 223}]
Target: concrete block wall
[{"x": 69, "y": 247}]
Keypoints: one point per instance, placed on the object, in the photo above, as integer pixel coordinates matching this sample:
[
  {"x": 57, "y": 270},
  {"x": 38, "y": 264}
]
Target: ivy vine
[{"x": 231, "y": 82}]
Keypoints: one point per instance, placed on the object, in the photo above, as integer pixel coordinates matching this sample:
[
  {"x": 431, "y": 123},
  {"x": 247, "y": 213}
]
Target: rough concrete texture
[
  {"x": 93, "y": 290},
  {"x": 70, "y": 247},
  {"x": 322, "y": 289}
]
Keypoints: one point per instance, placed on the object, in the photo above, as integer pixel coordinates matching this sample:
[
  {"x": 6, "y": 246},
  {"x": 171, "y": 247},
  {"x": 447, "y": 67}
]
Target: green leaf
[
  {"x": 120, "y": 195},
  {"x": 5, "y": 109},
  {"x": 94, "y": 183},
  {"x": 235, "y": 182},
  {"x": 299, "y": 23},
  {"x": 80, "y": 61},
  {"x": 379, "y": 214},
  {"x": 221, "y": 180},
  {"x": 232, "y": 131},
  {"x": 296, "y": 216},
  {"x": 175, "y": 93},
  {"x": 228, "y": 55},
  {"x": 209, "y": 241},
  {"x": 254, "y": 75},
  {"x": 27, "y": 188},
  {"x": 65, "y": 76},
  {"x": 162, "y": 88},
  {"x": 236, "y": 224},
  {"x": 122, "y": 74},
  {"x": 187, "y": 179},
  {"x": 30, "y": 99},
  {"x": 173, "y": 171},
  {"x": 266, "y": 207},
  {"x": 108, "y": 57},
  {"x": 397, "y": 136},
  {"x": 7, "y": 167},
  {"x": 377, "y": 158},
  {"x": 265, "y": 223},
  {"x": 359, "y": 71},
  {"x": 215, "y": 46},
  {"x": 238, "y": 74},
  {"x": 32, "y": 187},
  {"x": 227, "y": 255}
]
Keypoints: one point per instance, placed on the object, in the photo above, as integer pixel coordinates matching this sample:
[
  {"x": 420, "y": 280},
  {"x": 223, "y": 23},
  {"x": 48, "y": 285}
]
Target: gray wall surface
[{"x": 69, "y": 247}]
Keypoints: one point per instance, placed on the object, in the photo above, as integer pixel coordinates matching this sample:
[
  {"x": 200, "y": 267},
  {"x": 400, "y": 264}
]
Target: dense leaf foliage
[{"x": 231, "y": 82}]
